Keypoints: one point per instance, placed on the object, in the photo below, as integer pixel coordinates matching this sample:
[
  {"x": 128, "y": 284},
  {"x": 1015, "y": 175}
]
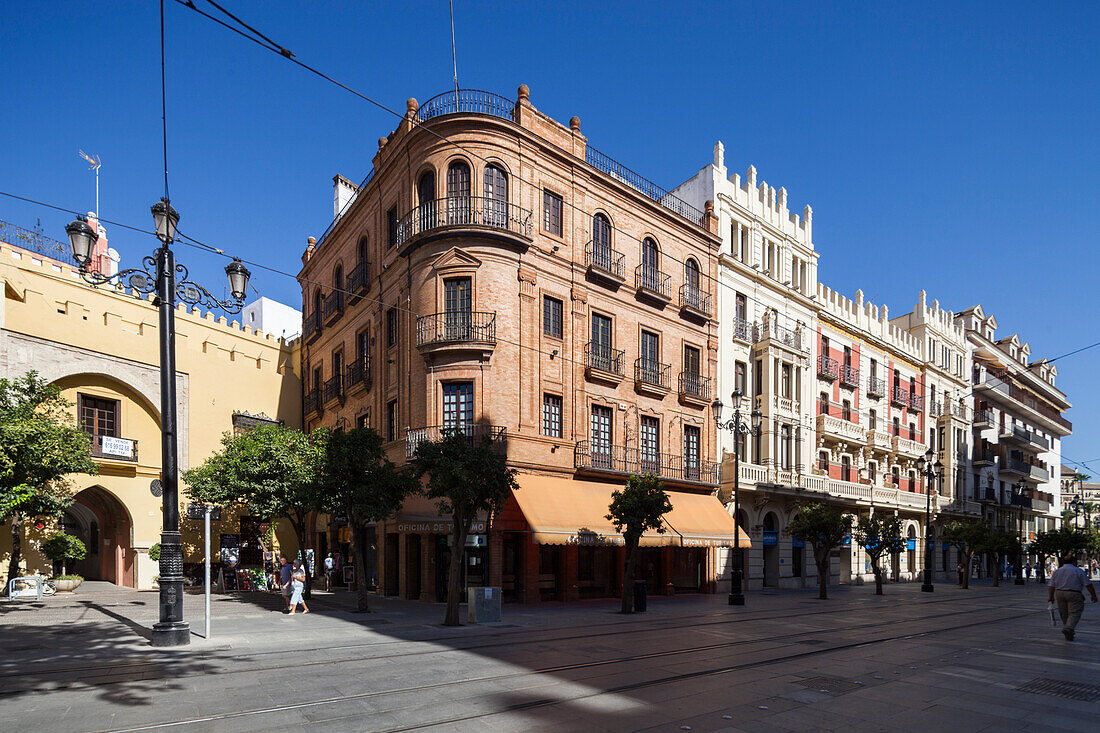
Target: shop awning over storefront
[
  {"x": 565, "y": 511},
  {"x": 420, "y": 515}
]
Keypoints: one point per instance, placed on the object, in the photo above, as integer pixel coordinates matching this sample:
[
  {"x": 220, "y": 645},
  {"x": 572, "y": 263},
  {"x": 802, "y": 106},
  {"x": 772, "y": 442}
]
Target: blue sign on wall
[
  {"x": 797, "y": 543},
  {"x": 910, "y": 544},
  {"x": 771, "y": 539}
]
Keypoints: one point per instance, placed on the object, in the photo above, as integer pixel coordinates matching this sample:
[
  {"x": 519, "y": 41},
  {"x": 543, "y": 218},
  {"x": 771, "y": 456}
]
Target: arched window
[
  {"x": 771, "y": 524},
  {"x": 338, "y": 278},
  {"x": 318, "y": 300},
  {"x": 361, "y": 249},
  {"x": 650, "y": 256},
  {"x": 496, "y": 196},
  {"x": 691, "y": 274},
  {"x": 601, "y": 242},
  {"x": 458, "y": 193},
  {"x": 425, "y": 188}
]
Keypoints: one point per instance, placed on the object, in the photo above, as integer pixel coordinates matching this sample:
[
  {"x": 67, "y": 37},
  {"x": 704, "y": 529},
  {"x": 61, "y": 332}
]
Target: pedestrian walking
[
  {"x": 960, "y": 570},
  {"x": 330, "y": 569},
  {"x": 286, "y": 573},
  {"x": 1067, "y": 588},
  {"x": 298, "y": 584},
  {"x": 1027, "y": 572}
]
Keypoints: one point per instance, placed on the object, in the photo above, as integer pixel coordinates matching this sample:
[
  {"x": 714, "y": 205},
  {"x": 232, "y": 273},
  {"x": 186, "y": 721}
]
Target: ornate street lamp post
[
  {"x": 931, "y": 471},
  {"x": 159, "y": 274},
  {"x": 738, "y": 427},
  {"x": 1018, "y": 498}
]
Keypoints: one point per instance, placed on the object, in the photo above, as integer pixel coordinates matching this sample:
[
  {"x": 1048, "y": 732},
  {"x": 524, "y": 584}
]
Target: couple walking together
[{"x": 292, "y": 581}]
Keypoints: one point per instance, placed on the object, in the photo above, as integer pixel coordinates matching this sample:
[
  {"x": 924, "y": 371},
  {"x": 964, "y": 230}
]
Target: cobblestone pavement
[{"x": 982, "y": 659}]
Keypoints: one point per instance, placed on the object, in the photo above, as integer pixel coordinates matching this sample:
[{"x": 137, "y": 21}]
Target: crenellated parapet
[{"x": 869, "y": 319}]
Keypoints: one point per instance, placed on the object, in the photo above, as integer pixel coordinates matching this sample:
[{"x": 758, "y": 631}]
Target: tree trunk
[
  {"x": 628, "y": 575},
  {"x": 459, "y": 530},
  {"x": 996, "y": 570},
  {"x": 878, "y": 577},
  {"x": 966, "y": 571},
  {"x": 359, "y": 544},
  {"x": 16, "y": 547},
  {"x": 1041, "y": 571},
  {"x": 299, "y": 525},
  {"x": 822, "y": 559}
]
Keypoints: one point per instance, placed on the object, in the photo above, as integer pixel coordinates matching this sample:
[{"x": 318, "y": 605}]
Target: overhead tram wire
[{"x": 265, "y": 42}]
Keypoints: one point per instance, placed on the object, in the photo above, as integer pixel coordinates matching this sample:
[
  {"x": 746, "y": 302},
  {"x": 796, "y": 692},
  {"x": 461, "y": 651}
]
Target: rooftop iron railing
[
  {"x": 639, "y": 183},
  {"x": 33, "y": 241},
  {"x": 470, "y": 101}
]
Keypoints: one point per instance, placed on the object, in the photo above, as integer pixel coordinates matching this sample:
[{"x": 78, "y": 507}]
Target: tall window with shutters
[{"x": 99, "y": 416}]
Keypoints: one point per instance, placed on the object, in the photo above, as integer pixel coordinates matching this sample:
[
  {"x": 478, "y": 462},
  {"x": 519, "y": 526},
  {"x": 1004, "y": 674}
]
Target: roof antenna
[
  {"x": 93, "y": 162},
  {"x": 454, "y": 58}
]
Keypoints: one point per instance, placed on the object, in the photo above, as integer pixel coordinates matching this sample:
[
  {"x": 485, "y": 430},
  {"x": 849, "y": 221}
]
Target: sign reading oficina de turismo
[
  {"x": 437, "y": 527},
  {"x": 117, "y": 447}
]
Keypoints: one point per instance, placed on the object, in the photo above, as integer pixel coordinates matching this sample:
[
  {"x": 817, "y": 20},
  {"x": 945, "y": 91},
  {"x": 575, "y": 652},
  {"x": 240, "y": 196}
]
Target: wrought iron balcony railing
[
  {"x": 694, "y": 385},
  {"x": 604, "y": 260},
  {"x": 651, "y": 372},
  {"x": 651, "y": 280},
  {"x": 311, "y": 402},
  {"x": 876, "y": 387},
  {"x": 115, "y": 449},
  {"x": 849, "y": 375},
  {"x": 900, "y": 397},
  {"x": 695, "y": 298},
  {"x": 779, "y": 334},
  {"x": 935, "y": 408},
  {"x": 474, "y": 433},
  {"x": 620, "y": 172},
  {"x": 463, "y": 211},
  {"x": 359, "y": 278},
  {"x": 604, "y": 358},
  {"x": 743, "y": 330},
  {"x": 17, "y": 236},
  {"x": 311, "y": 326},
  {"x": 452, "y": 327},
  {"x": 916, "y": 402},
  {"x": 334, "y": 306},
  {"x": 827, "y": 367},
  {"x": 358, "y": 372},
  {"x": 597, "y": 456},
  {"x": 469, "y": 101},
  {"x": 334, "y": 388}
]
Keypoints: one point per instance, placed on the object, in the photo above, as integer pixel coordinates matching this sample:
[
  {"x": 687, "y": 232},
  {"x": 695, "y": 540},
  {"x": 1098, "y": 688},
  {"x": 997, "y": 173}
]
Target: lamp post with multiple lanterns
[
  {"x": 158, "y": 274},
  {"x": 738, "y": 427},
  {"x": 931, "y": 471}
]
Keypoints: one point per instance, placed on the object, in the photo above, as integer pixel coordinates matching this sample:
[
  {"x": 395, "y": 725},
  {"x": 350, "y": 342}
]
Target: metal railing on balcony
[
  {"x": 1030, "y": 470},
  {"x": 311, "y": 402},
  {"x": 115, "y": 449},
  {"x": 651, "y": 280},
  {"x": 900, "y": 397},
  {"x": 474, "y": 433},
  {"x": 983, "y": 417},
  {"x": 916, "y": 402},
  {"x": 358, "y": 372},
  {"x": 620, "y": 459},
  {"x": 827, "y": 367},
  {"x": 694, "y": 385},
  {"x": 1030, "y": 437},
  {"x": 605, "y": 260},
  {"x": 774, "y": 332},
  {"x": 1027, "y": 398},
  {"x": 33, "y": 241},
  {"x": 935, "y": 408},
  {"x": 359, "y": 278},
  {"x": 334, "y": 388},
  {"x": 620, "y": 172},
  {"x": 695, "y": 298},
  {"x": 876, "y": 387},
  {"x": 455, "y": 327},
  {"x": 468, "y": 101},
  {"x": 334, "y": 306},
  {"x": 960, "y": 411},
  {"x": 311, "y": 325},
  {"x": 743, "y": 330},
  {"x": 849, "y": 375},
  {"x": 332, "y": 225},
  {"x": 653, "y": 373},
  {"x": 463, "y": 211},
  {"x": 603, "y": 358}
]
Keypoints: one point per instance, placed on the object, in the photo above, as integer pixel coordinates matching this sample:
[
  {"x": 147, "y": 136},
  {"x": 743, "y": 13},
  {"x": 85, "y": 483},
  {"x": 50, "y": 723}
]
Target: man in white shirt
[{"x": 1067, "y": 587}]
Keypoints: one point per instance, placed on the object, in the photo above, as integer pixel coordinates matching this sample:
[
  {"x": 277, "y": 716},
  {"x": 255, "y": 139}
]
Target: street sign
[{"x": 198, "y": 511}]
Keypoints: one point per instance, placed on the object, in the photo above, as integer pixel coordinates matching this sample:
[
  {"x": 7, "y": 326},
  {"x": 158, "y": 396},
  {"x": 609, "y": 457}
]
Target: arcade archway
[{"x": 103, "y": 523}]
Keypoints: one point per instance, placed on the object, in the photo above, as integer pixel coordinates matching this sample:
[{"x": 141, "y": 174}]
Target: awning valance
[{"x": 562, "y": 511}]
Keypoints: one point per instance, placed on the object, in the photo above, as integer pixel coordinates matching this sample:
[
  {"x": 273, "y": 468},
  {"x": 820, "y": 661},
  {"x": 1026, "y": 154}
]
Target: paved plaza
[{"x": 983, "y": 659}]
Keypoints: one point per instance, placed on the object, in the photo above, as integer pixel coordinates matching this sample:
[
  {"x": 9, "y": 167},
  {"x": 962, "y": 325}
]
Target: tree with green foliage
[
  {"x": 467, "y": 476},
  {"x": 824, "y": 528},
  {"x": 272, "y": 471},
  {"x": 998, "y": 545},
  {"x": 63, "y": 547},
  {"x": 968, "y": 538},
  {"x": 879, "y": 535},
  {"x": 40, "y": 444},
  {"x": 635, "y": 508},
  {"x": 362, "y": 483}
]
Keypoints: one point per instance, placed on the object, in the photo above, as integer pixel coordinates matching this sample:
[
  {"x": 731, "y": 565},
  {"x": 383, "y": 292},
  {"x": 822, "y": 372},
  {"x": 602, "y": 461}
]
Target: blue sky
[{"x": 945, "y": 146}]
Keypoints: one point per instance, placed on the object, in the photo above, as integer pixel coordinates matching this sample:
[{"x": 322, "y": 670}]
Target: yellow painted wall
[{"x": 49, "y": 310}]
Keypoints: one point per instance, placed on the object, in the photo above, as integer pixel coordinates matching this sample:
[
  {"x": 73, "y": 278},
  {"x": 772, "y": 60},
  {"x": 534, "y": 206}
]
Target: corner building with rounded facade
[{"x": 496, "y": 274}]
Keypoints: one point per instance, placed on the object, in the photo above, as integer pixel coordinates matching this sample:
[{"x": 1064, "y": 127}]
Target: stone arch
[
  {"x": 113, "y": 557},
  {"x": 134, "y": 392}
]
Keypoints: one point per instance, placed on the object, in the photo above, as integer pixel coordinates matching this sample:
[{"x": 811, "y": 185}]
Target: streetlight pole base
[
  {"x": 737, "y": 599},
  {"x": 173, "y": 633},
  {"x": 927, "y": 588}
]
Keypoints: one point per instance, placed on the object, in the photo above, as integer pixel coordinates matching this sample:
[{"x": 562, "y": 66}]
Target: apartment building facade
[{"x": 497, "y": 275}]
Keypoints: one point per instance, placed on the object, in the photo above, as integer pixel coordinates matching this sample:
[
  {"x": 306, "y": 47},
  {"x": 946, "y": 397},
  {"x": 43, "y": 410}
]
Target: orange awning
[{"x": 564, "y": 511}]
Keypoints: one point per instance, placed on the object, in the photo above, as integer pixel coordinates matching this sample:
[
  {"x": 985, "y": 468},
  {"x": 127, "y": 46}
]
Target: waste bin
[
  {"x": 639, "y": 596},
  {"x": 482, "y": 605}
]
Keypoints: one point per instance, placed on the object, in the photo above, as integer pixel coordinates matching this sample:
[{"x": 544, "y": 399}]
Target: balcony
[
  {"x": 467, "y": 101},
  {"x": 333, "y": 307},
  {"x": 908, "y": 447},
  {"x": 358, "y": 280},
  {"x": 604, "y": 262},
  {"x": 652, "y": 283},
  {"x": 777, "y": 335},
  {"x": 1029, "y": 471},
  {"x": 695, "y": 301},
  {"x": 617, "y": 459},
  {"x": 876, "y": 387},
  {"x": 836, "y": 427},
  {"x": 935, "y": 408},
  {"x": 916, "y": 402},
  {"x": 311, "y": 402},
  {"x": 456, "y": 331},
  {"x": 962, "y": 412},
  {"x": 1026, "y": 438},
  {"x": 491, "y": 218},
  {"x": 474, "y": 432},
  {"x": 880, "y": 441},
  {"x": 828, "y": 368},
  {"x": 742, "y": 330},
  {"x": 899, "y": 397},
  {"x": 603, "y": 362},
  {"x": 334, "y": 389},
  {"x": 110, "y": 448},
  {"x": 358, "y": 374},
  {"x": 311, "y": 326},
  {"x": 984, "y": 455},
  {"x": 652, "y": 376},
  {"x": 983, "y": 418},
  {"x": 849, "y": 376},
  {"x": 647, "y": 188},
  {"x": 694, "y": 388}
]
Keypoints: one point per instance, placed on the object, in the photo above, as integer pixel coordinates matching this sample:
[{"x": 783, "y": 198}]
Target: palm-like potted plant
[{"x": 62, "y": 548}]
